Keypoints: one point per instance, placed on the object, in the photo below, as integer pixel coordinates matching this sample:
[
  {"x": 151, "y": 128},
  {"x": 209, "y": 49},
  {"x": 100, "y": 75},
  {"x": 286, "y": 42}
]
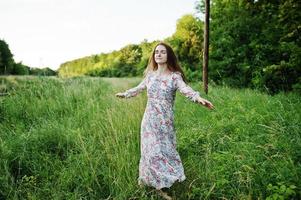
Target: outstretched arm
[
  {"x": 133, "y": 91},
  {"x": 188, "y": 92}
]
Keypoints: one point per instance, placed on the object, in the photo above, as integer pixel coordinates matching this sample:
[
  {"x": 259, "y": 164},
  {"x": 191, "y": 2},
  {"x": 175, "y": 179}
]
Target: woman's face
[{"x": 160, "y": 54}]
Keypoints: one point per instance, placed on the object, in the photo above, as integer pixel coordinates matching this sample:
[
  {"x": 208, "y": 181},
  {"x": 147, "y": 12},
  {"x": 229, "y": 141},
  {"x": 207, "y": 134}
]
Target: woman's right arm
[{"x": 133, "y": 91}]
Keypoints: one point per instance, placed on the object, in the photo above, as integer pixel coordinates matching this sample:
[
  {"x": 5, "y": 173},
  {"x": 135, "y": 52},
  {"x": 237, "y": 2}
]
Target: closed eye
[{"x": 163, "y": 51}]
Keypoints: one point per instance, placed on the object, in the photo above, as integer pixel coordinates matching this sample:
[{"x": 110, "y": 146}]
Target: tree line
[
  {"x": 253, "y": 43},
  {"x": 131, "y": 60},
  {"x": 9, "y": 66}
]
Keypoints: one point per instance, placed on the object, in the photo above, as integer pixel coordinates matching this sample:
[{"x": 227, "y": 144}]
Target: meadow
[{"x": 71, "y": 138}]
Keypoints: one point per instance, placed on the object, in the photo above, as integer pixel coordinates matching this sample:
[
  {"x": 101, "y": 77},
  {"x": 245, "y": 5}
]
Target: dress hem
[{"x": 180, "y": 179}]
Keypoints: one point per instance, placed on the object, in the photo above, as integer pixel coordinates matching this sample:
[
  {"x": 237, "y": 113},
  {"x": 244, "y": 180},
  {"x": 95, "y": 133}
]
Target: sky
[{"x": 47, "y": 33}]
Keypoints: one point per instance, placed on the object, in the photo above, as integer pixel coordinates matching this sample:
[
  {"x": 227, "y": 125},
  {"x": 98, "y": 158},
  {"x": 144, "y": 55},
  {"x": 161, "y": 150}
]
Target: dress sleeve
[
  {"x": 136, "y": 90},
  {"x": 185, "y": 89}
]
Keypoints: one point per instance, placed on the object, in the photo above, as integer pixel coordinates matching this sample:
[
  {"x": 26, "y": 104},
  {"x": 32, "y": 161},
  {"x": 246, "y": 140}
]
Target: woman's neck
[{"x": 162, "y": 69}]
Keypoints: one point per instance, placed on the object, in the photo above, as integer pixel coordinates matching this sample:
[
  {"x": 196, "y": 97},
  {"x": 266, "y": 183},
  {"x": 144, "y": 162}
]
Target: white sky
[{"x": 46, "y": 33}]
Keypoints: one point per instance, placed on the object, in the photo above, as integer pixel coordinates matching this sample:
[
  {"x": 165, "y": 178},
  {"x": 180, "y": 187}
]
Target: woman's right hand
[
  {"x": 205, "y": 103},
  {"x": 120, "y": 95}
]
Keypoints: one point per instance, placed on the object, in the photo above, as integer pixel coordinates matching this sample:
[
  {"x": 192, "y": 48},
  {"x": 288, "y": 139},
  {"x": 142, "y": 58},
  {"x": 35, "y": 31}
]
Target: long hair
[{"x": 172, "y": 61}]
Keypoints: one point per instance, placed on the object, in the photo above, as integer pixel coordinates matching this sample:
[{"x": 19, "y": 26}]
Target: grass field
[{"x": 73, "y": 139}]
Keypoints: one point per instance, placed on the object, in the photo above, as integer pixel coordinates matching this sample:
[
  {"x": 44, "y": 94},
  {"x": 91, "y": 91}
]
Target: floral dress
[{"x": 160, "y": 164}]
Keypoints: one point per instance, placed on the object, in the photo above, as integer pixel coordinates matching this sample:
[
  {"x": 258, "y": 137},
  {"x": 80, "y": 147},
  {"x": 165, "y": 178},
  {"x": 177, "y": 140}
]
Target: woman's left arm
[{"x": 188, "y": 92}]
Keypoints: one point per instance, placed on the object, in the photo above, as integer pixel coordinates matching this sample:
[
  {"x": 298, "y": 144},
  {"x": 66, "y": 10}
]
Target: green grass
[{"x": 73, "y": 139}]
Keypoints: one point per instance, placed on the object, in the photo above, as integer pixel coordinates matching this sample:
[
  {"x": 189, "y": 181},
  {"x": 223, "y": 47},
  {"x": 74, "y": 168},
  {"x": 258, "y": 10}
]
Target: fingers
[
  {"x": 203, "y": 103},
  {"x": 120, "y": 95},
  {"x": 207, "y": 104}
]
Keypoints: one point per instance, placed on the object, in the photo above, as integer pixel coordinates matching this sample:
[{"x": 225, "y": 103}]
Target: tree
[
  {"x": 206, "y": 46},
  {"x": 20, "y": 69},
  {"x": 6, "y": 58},
  {"x": 187, "y": 41}
]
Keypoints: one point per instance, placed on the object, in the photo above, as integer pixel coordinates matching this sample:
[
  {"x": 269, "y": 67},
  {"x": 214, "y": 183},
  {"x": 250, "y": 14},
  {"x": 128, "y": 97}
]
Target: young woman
[{"x": 160, "y": 164}]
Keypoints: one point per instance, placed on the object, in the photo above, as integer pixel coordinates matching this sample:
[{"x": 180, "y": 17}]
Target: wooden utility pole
[{"x": 206, "y": 46}]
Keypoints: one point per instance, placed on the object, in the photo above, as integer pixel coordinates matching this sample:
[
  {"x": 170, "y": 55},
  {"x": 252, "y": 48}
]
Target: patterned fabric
[{"x": 160, "y": 164}]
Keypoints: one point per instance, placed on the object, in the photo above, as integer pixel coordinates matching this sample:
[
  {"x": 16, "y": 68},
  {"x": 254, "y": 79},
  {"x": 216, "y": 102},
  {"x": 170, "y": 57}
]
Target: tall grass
[{"x": 73, "y": 139}]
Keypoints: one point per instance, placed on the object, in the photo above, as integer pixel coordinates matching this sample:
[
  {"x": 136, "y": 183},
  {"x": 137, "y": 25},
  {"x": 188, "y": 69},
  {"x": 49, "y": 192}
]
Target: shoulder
[
  {"x": 177, "y": 75},
  {"x": 149, "y": 73}
]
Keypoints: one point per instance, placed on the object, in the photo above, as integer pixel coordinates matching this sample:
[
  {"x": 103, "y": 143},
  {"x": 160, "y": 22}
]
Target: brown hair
[{"x": 172, "y": 61}]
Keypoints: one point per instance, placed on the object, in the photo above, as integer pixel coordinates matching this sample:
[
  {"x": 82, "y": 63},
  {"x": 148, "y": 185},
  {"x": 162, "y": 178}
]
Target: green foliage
[
  {"x": 190, "y": 74},
  {"x": 6, "y": 58},
  {"x": 281, "y": 191},
  {"x": 255, "y": 44},
  {"x": 42, "y": 72},
  {"x": 82, "y": 65},
  {"x": 187, "y": 41},
  {"x": 20, "y": 69},
  {"x": 130, "y": 55},
  {"x": 127, "y": 62},
  {"x": 120, "y": 63}
]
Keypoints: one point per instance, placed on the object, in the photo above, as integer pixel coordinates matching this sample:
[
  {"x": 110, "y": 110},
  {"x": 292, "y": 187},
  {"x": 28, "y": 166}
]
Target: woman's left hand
[{"x": 206, "y": 103}]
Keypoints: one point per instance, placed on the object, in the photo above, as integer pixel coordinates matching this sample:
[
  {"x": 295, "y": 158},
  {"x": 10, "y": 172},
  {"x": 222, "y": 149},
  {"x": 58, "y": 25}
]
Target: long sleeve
[
  {"x": 185, "y": 89},
  {"x": 136, "y": 90}
]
